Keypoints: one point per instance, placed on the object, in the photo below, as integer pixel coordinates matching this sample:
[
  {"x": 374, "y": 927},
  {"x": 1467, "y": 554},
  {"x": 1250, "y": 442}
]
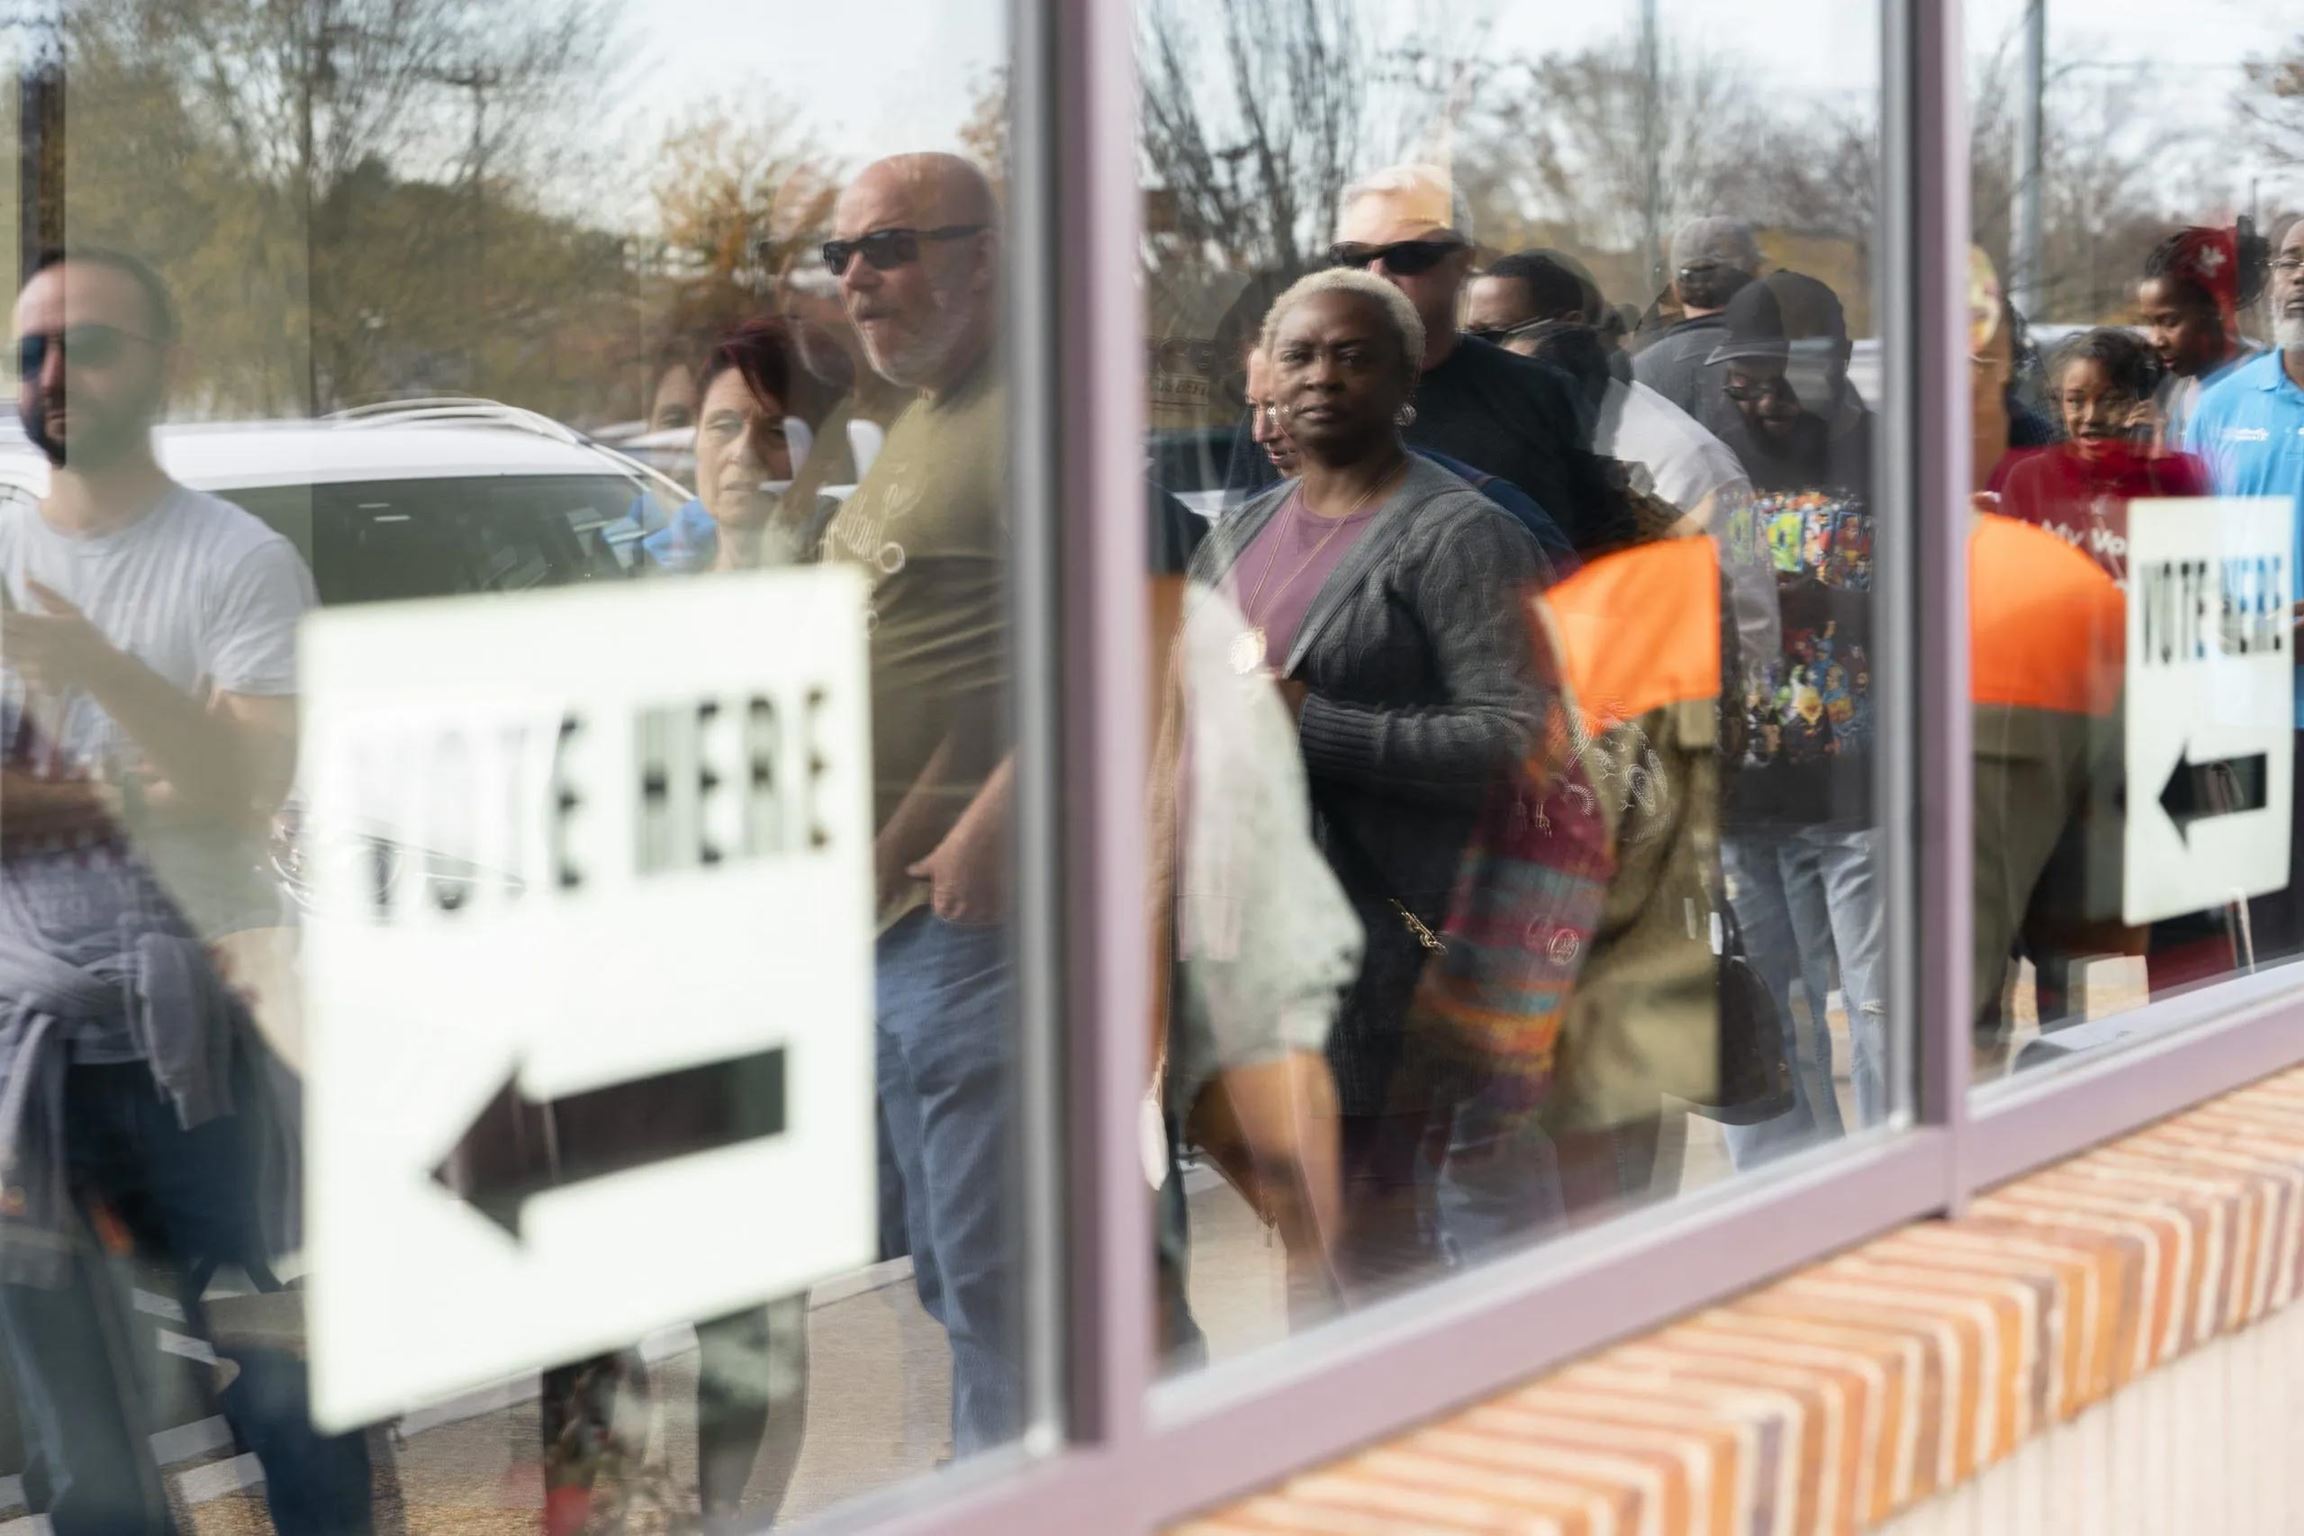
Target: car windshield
[{"x": 378, "y": 541}]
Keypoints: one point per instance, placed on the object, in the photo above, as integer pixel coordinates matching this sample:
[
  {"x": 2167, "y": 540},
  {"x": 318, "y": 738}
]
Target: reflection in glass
[
  {"x": 363, "y": 303},
  {"x": 1569, "y": 896},
  {"x": 929, "y": 524},
  {"x": 2132, "y": 798}
]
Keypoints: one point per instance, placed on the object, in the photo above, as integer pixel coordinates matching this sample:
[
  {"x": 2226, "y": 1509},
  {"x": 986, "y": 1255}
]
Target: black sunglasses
[
  {"x": 1402, "y": 258},
  {"x": 97, "y": 346},
  {"x": 888, "y": 249},
  {"x": 1499, "y": 334}
]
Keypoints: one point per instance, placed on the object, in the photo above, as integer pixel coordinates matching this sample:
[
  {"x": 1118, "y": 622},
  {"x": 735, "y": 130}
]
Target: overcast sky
[
  {"x": 875, "y": 76},
  {"x": 871, "y": 77}
]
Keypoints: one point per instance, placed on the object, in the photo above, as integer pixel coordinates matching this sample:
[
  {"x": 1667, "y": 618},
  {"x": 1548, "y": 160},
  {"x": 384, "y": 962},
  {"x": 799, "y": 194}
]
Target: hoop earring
[{"x": 1405, "y": 416}]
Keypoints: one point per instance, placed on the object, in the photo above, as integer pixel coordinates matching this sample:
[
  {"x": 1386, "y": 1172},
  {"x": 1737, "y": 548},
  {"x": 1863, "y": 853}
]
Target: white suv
[
  {"x": 421, "y": 498},
  {"x": 424, "y": 498}
]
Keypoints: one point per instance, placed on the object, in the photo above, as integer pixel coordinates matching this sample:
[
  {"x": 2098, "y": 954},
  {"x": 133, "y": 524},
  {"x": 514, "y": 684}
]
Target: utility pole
[
  {"x": 1652, "y": 145},
  {"x": 318, "y": 77},
  {"x": 479, "y": 79},
  {"x": 2028, "y": 278}
]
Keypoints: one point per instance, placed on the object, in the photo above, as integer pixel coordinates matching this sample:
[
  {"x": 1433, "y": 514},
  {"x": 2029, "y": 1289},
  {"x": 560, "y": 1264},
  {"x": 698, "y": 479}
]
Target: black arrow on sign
[
  {"x": 2218, "y": 786},
  {"x": 518, "y": 1148}
]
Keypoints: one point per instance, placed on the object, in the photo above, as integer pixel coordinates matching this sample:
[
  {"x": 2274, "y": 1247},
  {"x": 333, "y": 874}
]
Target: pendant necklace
[{"x": 1251, "y": 646}]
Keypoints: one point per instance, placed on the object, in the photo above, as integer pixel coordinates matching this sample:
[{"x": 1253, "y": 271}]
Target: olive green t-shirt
[{"x": 929, "y": 526}]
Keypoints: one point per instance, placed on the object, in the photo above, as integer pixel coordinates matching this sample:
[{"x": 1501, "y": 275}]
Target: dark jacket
[
  {"x": 1250, "y": 472},
  {"x": 1808, "y": 761},
  {"x": 1673, "y": 364},
  {"x": 1425, "y": 695},
  {"x": 1512, "y": 417}
]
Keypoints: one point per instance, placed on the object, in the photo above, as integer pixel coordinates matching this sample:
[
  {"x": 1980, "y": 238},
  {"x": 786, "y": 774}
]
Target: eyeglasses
[
  {"x": 1402, "y": 258},
  {"x": 94, "y": 346},
  {"x": 1500, "y": 334},
  {"x": 1741, "y": 389},
  {"x": 2290, "y": 265},
  {"x": 888, "y": 249}
]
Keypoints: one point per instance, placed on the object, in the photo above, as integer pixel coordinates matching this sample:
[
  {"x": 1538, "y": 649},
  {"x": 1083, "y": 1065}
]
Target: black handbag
[{"x": 1754, "y": 1083}]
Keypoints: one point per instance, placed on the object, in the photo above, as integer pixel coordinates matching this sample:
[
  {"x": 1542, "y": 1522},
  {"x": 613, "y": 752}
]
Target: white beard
[
  {"x": 2288, "y": 331},
  {"x": 921, "y": 357}
]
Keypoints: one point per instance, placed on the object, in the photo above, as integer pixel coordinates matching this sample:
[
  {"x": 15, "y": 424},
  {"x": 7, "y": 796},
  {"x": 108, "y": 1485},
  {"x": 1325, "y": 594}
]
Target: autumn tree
[
  {"x": 1257, "y": 114},
  {"x": 268, "y": 155},
  {"x": 984, "y": 136},
  {"x": 2271, "y": 109},
  {"x": 1586, "y": 142},
  {"x": 740, "y": 188},
  {"x": 2106, "y": 149},
  {"x": 1252, "y": 126},
  {"x": 1591, "y": 151}
]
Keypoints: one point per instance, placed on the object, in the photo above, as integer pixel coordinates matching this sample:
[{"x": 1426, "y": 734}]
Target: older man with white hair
[{"x": 1502, "y": 414}]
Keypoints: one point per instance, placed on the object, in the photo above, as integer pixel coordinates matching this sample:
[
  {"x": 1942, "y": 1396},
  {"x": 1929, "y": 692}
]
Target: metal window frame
[{"x": 1134, "y": 1454}]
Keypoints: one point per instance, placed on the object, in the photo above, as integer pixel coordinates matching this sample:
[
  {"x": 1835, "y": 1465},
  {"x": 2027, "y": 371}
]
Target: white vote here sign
[
  {"x": 2210, "y": 696},
  {"x": 587, "y": 971}
]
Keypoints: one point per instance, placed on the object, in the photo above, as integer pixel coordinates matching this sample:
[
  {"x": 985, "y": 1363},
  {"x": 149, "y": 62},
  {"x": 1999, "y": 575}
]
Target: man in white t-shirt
[{"x": 146, "y": 738}]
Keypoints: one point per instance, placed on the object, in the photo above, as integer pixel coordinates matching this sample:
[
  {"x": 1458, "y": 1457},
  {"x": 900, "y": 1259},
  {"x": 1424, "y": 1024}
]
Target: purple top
[{"x": 1286, "y": 564}]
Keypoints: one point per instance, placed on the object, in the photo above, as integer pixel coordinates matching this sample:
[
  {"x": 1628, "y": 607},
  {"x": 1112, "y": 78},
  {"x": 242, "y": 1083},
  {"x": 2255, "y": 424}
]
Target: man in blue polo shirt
[{"x": 2249, "y": 427}]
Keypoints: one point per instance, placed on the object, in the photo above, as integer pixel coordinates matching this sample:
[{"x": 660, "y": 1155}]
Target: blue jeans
[
  {"x": 188, "y": 1197},
  {"x": 946, "y": 1039},
  {"x": 1805, "y": 897},
  {"x": 1458, "y": 1185},
  {"x": 1498, "y": 1186}
]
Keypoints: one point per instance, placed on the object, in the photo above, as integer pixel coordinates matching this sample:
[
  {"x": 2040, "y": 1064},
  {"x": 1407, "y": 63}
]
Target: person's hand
[
  {"x": 967, "y": 875},
  {"x": 57, "y": 649},
  {"x": 228, "y": 976},
  {"x": 1293, "y": 692},
  {"x": 888, "y": 871}
]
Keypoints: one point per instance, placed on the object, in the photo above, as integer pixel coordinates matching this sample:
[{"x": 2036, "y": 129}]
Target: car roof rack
[
  {"x": 452, "y": 410},
  {"x": 472, "y": 410}
]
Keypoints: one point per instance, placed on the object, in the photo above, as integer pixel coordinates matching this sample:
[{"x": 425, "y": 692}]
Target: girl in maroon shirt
[
  {"x": 2079, "y": 489},
  {"x": 2103, "y": 382}
]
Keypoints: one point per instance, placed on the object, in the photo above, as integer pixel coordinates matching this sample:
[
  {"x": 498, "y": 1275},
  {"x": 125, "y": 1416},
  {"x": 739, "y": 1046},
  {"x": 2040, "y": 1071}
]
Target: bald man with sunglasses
[
  {"x": 1502, "y": 414},
  {"x": 916, "y": 253}
]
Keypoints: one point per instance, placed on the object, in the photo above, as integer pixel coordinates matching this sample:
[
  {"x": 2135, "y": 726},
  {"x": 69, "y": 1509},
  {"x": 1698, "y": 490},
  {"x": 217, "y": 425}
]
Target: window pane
[
  {"x": 2133, "y": 567},
  {"x": 1515, "y": 383},
  {"x": 505, "y": 946}
]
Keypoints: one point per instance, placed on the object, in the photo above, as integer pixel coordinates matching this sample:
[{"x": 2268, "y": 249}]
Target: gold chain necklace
[{"x": 1251, "y": 646}]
